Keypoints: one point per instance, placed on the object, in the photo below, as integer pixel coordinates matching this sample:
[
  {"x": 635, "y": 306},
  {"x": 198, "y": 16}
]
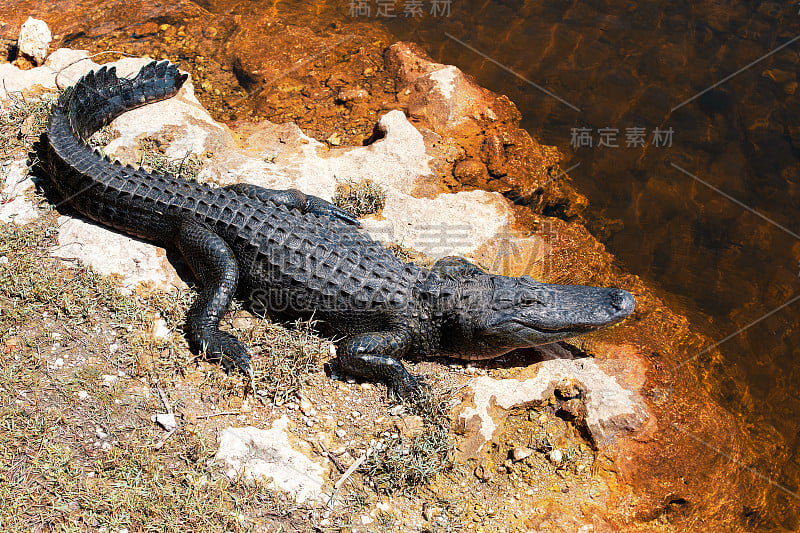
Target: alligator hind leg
[
  {"x": 214, "y": 265},
  {"x": 294, "y": 199},
  {"x": 375, "y": 356}
]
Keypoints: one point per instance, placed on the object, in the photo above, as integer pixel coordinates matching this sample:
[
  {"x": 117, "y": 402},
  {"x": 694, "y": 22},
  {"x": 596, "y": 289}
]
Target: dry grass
[
  {"x": 51, "y": 484},
  {"x": 410, "y": 255},
  {"x": 360, "y": 198},
  {"x": 153, "y": 158},
  {"x": 103, "y": 136},
  {"x": 32, "y": 282},
  {"x": 408, "y": 463},
  {"x": 53, "y": 475},
  {"x": 285, "y": 358},
  {"x": 22, "y": 121}
]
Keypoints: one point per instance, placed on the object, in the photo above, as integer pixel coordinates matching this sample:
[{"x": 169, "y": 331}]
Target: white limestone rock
[
  {"x": 34, "y": 39},
  {"x": 65, "y": 63},
  {"x": 256, "y": 453},
  {"x": 14, "y": 206},
  {"x": 612, "y": 409},
  {"x": 110, "y": 252}
]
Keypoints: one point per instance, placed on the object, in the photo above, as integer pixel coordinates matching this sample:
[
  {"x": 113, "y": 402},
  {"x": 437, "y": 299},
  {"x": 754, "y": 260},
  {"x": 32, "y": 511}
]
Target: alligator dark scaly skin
[{"x": 299, "y": 255}]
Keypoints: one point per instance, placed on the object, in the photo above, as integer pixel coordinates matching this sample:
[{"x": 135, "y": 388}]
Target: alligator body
[{"x": 299, "y": 255}]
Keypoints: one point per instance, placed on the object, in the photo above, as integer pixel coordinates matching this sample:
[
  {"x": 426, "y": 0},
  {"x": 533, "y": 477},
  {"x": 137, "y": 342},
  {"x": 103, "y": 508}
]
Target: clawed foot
[
  {"x": 224, "y": 348},
  {"x": 406, "y": 388},
  {"x": 321, "y": 207}
]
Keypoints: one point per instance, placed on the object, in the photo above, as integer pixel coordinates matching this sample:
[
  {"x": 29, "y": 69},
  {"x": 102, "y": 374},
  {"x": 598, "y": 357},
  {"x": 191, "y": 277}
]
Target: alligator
[{"x": 298, "y": 255}]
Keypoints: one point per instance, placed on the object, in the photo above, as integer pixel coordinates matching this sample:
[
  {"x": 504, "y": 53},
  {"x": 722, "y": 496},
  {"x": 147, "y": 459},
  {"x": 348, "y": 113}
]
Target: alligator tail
[
  {"x": 90, "y": 183},
  {"x": 100, "y": 96}
]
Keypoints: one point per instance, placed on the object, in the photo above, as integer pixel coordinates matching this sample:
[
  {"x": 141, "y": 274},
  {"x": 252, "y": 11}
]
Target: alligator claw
[
  {"x": 230, "y": 352},
  {"x": 406, "y": 388},
  {"x": 321, "y": 207}
]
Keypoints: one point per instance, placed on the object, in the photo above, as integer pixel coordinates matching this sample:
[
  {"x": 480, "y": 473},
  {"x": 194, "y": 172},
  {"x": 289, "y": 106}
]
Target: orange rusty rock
[
  {"x": 493, "y": 154},
  {"x": 471, "y": 173},
  {"x": 143, "y": 30}
]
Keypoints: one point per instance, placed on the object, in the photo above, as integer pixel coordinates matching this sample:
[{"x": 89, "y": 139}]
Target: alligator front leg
[
  {"x": 294, "y": 199},
  {"x": 215, "y": 266},
  {"x": 374, "y": 356}
]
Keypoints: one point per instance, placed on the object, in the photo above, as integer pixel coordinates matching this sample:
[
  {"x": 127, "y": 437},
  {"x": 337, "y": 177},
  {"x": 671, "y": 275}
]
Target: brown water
[{"x": 629, "y": 68}]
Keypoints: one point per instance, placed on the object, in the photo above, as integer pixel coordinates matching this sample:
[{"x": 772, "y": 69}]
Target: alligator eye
[{"x": 527, "y": 300}]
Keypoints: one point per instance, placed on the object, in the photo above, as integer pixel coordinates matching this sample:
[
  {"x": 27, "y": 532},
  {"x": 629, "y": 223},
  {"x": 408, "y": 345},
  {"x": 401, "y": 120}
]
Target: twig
[
  {"x": 332, "y": 457},
  {"x": 226, "y": 413},
  {"x": 164, "y": 399},
  {"x": 358, "y": 462}
]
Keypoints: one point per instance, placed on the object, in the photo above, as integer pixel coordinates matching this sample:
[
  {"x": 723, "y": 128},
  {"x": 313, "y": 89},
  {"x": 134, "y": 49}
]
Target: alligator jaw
[{"x": 543, "y": 313}]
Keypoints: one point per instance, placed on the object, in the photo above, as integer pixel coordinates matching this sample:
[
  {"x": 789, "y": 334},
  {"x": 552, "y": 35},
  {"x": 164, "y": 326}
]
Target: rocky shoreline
[{"x": 450, "y": 154}]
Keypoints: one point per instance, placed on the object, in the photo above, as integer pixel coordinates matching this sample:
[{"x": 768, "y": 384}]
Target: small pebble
[
  {"x": 306, "y": 406},
  {"x": 159, "y": 330},
  {"x": 519, "y": 453},
  {"x": 555, "y": 456},
  {"x": 430, "y": 512},
  {"x": 165, "y": 420}
]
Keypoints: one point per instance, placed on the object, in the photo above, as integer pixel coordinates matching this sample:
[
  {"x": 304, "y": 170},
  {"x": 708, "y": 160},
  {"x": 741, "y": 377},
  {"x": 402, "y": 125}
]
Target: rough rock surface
[
  {"x": 271, "y": 454},
  {"x": 494, "y": 153},
  {"x": 34, "y": 39},
  {"x": 15, "y": 206},
  {"x": 612, "y": 410}
]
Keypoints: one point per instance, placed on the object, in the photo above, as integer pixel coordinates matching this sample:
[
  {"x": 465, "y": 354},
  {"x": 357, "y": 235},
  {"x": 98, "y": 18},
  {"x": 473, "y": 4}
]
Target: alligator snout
[{"x": 622, "y": 301}]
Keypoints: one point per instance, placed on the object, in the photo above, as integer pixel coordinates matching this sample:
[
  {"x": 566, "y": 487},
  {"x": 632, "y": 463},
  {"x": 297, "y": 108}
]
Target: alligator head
[{"x": 521, "y": 312}]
